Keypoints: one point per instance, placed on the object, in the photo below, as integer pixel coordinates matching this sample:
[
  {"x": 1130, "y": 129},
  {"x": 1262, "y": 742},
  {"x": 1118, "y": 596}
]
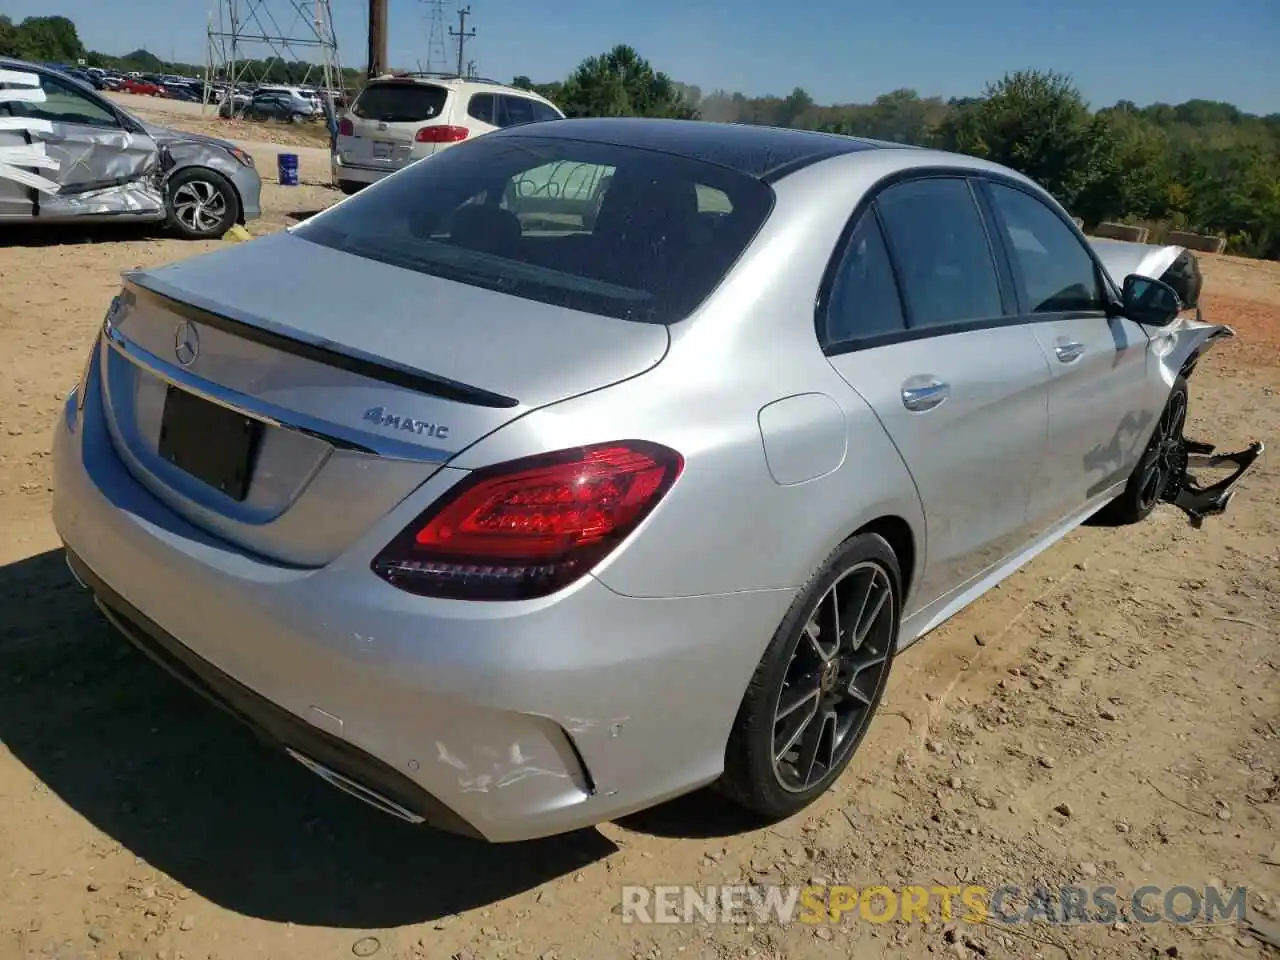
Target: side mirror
[{"x": 1150, "y": 302}]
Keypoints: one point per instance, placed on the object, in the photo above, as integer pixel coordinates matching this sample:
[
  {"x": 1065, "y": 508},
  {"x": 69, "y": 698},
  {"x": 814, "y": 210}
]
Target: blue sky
[{"x": 838, "y": 50}]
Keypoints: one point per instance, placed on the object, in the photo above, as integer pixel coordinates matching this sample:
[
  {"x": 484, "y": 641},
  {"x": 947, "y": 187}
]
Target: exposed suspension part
[{"x": 1197, "y": 501}]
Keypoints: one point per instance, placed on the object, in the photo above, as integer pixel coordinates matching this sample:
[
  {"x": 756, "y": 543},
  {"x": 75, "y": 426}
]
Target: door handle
[
  {"x": 924, "y": 393},
  {"x": 1068, "y": 351}
]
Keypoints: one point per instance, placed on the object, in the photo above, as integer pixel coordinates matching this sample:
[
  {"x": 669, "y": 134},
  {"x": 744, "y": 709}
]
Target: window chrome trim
[{"x": 336, "y": 435}]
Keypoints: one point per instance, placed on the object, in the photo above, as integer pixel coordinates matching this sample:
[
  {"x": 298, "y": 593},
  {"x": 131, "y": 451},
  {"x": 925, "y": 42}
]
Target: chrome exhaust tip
[
  {"x": 74, "y": 574},
  {"x": 359, "y": 791}
]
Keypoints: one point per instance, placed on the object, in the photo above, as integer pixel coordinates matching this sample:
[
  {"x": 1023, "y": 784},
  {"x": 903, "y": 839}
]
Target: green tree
[
  {"x": 1038, "y": 124},
  {"x": 621, "y": 83},
  {"x": 50, "y": 39}
]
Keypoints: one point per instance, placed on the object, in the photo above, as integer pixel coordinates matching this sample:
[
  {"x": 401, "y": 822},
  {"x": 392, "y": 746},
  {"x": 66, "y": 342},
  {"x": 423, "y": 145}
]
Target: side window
[
  {"x": 940, "y": 248},
  {"x": 480, "y": 107},
  {"x": 711, "y": 200},
  {"x": 1054, "y": 270},
  {"x": 542, "y": 112},
  {"x": 513, "y": 111},
  {"x": 864, "y": 297},
  {"x": 61, "y": 102}
]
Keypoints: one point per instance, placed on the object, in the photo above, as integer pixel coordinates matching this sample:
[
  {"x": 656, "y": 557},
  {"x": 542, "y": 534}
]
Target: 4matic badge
[{"x": 422, "y": 428}]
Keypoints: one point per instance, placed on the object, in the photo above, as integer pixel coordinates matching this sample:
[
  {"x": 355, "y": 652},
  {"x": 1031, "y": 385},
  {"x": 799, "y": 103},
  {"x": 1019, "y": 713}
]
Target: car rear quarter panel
[{"x": 728, "y": 525}]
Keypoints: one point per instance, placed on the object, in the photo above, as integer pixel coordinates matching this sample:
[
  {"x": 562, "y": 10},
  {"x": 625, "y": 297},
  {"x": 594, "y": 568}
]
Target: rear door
[
  {"x": 1100, "y": 410},
  {"x": 385, "y": 119},
  {"x": 921, "y": 322}
]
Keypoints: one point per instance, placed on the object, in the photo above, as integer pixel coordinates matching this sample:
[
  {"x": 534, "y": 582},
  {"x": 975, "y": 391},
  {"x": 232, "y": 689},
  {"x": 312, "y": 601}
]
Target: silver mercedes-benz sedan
[{"x": 594, "y": 461}]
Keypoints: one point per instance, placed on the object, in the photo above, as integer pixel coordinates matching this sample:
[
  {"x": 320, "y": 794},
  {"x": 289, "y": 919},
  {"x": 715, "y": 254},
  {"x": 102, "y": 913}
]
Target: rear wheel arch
[{"x": 901, "y": 539}]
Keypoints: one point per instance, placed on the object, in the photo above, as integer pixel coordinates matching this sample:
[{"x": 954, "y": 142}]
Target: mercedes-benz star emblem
[{"x": 186, "y": 343}]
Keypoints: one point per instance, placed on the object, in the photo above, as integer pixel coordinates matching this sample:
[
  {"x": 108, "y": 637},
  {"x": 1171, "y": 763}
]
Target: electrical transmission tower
[
  {"x": 437, "y": 53},
  {"x": 249, "y": 38},
  {"x": 462, "y": 35}
]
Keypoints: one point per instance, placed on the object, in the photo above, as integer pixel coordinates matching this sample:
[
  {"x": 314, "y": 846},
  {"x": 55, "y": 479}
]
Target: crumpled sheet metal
[
  {"x": 138, "y": 197},
  {"x": 24, "y": 87},
  {"x": 110, "y": 171}
]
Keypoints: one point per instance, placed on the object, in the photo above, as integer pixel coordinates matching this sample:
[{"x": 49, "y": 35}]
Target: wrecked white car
[
  {"x": 1172, "y": 457},
  {"x": 67, "y": 153}
]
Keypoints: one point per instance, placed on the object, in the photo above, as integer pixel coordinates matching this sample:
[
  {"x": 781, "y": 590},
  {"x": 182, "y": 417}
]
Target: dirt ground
[{"x": 1128, "y": 678}]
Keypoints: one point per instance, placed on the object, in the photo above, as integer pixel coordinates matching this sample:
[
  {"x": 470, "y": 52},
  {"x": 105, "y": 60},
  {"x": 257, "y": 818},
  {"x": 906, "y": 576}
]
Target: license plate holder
[
  {"x": 215, "y": 445},
  {"x": 383, "y": 149}
]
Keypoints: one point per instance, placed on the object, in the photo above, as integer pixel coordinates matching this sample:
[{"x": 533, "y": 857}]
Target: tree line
[
  {"x": 1203, "y": 165},
  {"x": 56, "y": 40}
]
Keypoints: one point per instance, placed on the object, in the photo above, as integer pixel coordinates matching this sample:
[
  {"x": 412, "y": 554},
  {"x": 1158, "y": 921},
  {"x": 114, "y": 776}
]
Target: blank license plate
[
  {"x": 382, "y": 149},
  {"x": 213, "y": 444}
]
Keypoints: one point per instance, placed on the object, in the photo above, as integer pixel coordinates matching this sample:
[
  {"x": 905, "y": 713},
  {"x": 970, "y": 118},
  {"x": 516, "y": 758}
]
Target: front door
[
  {"x": 92, "y": 150},
  {"x": 958, "y": 384},
  {"x": 1100, "y": 414}
]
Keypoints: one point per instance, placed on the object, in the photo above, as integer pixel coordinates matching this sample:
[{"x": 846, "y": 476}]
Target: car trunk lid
[{"x": 355, "y": 380}]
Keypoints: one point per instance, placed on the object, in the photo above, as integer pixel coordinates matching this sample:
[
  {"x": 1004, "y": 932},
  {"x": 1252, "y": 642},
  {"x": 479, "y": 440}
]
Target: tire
[
  {"x": 350, "y": 187},
  {"x": 219, "y": 209},
  {"x": 863, "y": 568},
  {"x": 1150, "y": 478},
  {"x": 296, "y": 118}
]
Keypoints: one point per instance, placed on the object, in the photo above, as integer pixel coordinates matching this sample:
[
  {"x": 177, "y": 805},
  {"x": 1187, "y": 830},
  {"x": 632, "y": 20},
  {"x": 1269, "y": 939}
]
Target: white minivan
[{"x": 401, "y": 118}]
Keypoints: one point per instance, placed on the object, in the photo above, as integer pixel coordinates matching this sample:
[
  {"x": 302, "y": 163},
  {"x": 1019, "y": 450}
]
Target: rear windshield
[
  {"x": 400, "y": 102},
  {"x": 617, "y": 231}
]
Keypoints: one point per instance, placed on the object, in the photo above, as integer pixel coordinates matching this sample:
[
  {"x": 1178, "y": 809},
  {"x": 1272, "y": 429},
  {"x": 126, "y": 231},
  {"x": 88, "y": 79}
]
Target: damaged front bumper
[
  {"x": 1198, "y": 502},
  {"x": 1184, "y": 344}
]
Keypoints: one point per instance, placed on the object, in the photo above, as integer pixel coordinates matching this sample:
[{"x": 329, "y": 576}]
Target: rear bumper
[
  {"x": 322, "y": 752},
  {"x": 356, "y": 173},
  {"x": 506, "y": 721}
]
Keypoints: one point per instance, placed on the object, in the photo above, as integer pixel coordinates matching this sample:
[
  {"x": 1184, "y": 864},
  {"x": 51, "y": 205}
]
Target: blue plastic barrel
[{"x": 287, "y": 169}]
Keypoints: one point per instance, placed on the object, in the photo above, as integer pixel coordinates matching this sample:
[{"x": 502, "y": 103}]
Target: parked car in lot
[
  {"x": 270, "y": 105},
  {"x": 512, "y": 508},
  {"x": 67, "y": 153},
  {"x": 140, "y": 87},
  {"x": 399, "y": 119}
]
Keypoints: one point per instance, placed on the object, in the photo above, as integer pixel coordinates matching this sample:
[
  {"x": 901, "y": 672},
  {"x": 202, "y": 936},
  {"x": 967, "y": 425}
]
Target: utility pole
[
  {"x": 377, "y": 38},
  {"x": 462, "y": 33}
]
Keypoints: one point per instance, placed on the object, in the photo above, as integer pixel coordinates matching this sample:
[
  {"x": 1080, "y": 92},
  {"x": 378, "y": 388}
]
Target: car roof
[
  {"x": 10, "y": 63},
  {"x": 475, "y": 85},
  {"x": 767, "y": 153}
]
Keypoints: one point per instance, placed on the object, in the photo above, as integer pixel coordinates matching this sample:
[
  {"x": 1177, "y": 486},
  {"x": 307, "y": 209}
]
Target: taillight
[
  {"x": 440, "y": 133},
  {"x": 346, "y": 128},
  {"x": 529, "y": 527}
]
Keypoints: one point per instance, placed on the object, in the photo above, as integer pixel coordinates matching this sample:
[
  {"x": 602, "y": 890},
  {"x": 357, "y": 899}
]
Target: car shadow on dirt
[
  {"x": 76, "y": 234},
  {"x": 198, "y": 797}
]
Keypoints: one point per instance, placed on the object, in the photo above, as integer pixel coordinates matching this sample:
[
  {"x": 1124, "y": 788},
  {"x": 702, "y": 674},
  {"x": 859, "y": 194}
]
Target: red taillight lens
[
  {"x": 346, "y": 128},
  {"x": 529, "y": 527},
  {"x": 441, "y": 133}
]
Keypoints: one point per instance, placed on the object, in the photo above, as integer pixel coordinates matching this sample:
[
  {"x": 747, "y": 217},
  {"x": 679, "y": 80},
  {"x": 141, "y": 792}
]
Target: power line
[{"x": 462, "y": 34}]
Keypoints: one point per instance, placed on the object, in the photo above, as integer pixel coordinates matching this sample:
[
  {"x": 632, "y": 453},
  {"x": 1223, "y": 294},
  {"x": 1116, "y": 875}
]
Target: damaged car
[
  {"x": 67, "y": 153},
  {"x": 614, "y": 494}
]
